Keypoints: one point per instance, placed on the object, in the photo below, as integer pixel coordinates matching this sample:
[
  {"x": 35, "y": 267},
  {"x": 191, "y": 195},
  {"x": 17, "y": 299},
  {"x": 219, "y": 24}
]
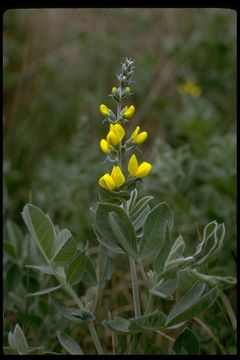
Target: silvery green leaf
[
  {"x": 132, "y": 200},
  {"x": 36, "y": 351},
  {"x": 41, "y": 229},
  {"x": 65, "y": 247},
  {"x": 66, "y": 311},
  {"x": 137, "y": 209},
  {"x": 165, "y": 289},
  {"x": 118, "y": 324},
  {"x": 182, "y": 261},
  {"x": 44, "y": 291},
  {"x": 177, "y": 249},
  {"x": 69, "y": 344},
  {"x": 140, "y": 220},
  {"x": 222, "y": 282},
  {"x": 105, "y": 266},
  {"x": 42, "y": 268},
  {"x": 103, "y": 229},
  {"x": 164, "y": 251},
  {"x": 76, "y": 268},
  {"x": 124, "y": 233},
  {"x": 192, "y": 304},
  {"x": 20, "y": 340},
  {"x": 83, "y": 315},
  {"x": 154, "y": 226},
  {"x": 186, "y": 343},
  {"x": 11, "y": 341},
  {"x": 151, "y": 322},
  {"x": 89, "y": 276}
]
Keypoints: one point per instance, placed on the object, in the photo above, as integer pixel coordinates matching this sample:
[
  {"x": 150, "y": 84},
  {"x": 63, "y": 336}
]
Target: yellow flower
[
  {"x": 105, "y": 146},
  {"x": 104, "y": 110},
  {"x": 115, "y": 135},
  {"x": 129, "y": 112},
  {"x": 189, "y": 88},
  {"x": 113, "y": 181},
  {"x": 136, "y": 170},
  {"x": 139, "y": 138},
  {"x": 114, "y": 89},
  {"x": 128, "y": 90}
]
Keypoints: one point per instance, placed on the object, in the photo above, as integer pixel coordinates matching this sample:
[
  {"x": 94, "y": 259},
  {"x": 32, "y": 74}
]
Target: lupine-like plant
[{"x": 138, "y": 227}]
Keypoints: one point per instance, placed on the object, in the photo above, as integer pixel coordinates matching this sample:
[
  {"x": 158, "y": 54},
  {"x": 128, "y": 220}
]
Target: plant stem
[
  {"x": 136, "y": 338},
  {"x": 144, "y": 276},
  {"x": 136, "y": 301},
  {"x": 90, "y": 323}
]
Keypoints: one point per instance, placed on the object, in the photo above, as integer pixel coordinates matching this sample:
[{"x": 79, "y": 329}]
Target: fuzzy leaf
[
  {"x": 186, "y": 343},
  {"x": 66, "y": 247},
  {"x": 105, "y": 265},
  {"x": 163, "y": 254},
  {"x": 153, "y": 235},
  {"x": 69, "y": 344},
  {"x": 151, "y": 322},
  {"x": 118, "y": 324},
  {"x": 44, "y": 291},
  {"x": 20, "y": 340},
  {"x": 41, "y": 229},
  {"x": 76, "y": 268},
  {"x": 42, "y": 268}
]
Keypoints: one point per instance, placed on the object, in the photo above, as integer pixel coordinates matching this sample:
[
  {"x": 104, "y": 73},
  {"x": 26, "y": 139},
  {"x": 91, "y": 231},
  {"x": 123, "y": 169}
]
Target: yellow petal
[
  {"x": 112, "y": 138},
  {"x": 140, "y": 138},
  {"x": 117, "y": 176},
  {"x": 118, "y": 130},
  {"x": 114, "y": 89},
  {"x": 105, "y": 147},
  {"x": 144, "y": 169},
  {"x": 135, "y": 132},
  {"x": 104, "y": 110},
  {"x": 129, "y": 112},
  {"x": 133, "y": 165},
  {"x": 106, "y": 181}
]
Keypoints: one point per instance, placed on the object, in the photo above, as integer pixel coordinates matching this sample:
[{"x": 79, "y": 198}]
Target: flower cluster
[{"x": 113, "y": 144}]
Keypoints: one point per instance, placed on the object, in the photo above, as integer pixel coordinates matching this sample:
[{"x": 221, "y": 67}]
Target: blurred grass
[{"x": 59, "y": 65}]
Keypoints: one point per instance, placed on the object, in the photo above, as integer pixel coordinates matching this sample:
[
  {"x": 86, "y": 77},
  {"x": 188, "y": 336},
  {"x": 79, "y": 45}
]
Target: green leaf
[
  {"x": 118, "y": 324},
  {"x": 76, "y": 268},
  {"x": 45, "y": 291},
  {"x": 9, "y": 249},
  {"x": 151, "y": 322},
  {"x": 138, "y": 223},
  {"x": 36, "y": 351},
  {"x": 104, "y": 230},
  {"x": 222, "y": 282},
  {"x": 20, "y": 340},
  {"x": 165, "y": 289},
  {"x": 89, "y": 276},
  {"x": 7, "y": 350},
  {"x": 73, "y": 314},
  {"x": 42, "y": 268},
  {"x": 66, "y": 247},
  {"x": 124, "y": 233},
  {"x": 164, "y": 251},
  {"x": 113, "y": 196},
  {"x": 15, "y": 236},
  {"x": 41, "y": 228},
  {"x": 11, "y": 341},
  {"x": 69, "y": 344},
  {"x": 186, "y": 343},
  {"x": 192, "y": 304},
  {"x": 105, "y": 266},
  {"x": 153, "y": 235}
]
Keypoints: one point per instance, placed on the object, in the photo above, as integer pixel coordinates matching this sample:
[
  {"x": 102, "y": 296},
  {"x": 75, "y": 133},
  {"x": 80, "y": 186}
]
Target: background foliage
[{"x": 58, "y": 68}]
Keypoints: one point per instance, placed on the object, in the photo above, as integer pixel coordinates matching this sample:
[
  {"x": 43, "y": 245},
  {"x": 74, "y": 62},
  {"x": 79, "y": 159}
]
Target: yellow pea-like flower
[
  {"x": 106, "y": 181},
  {"x": 113, "y": 181},
  {"x": 105, "y": 146},
  {"x": 128, "y": 90},
  {"x": 129, "y": 112},
  {"x": 139, "y": 138},
  {"x": 114, "y": 89},
  {"x": 117, "y": 176},
  {"x": 136, "y": 170},
  {"x": 104, "y": 110},
  {"x": 116, "y": 134}
]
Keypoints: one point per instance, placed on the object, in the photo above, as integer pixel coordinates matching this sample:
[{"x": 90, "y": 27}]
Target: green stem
[
  {"x": 144, "y": 276},
  {"x": 136, "y": 301},
  {"x": 89, "y": 324},
  {"x": 136, "y": 338}
]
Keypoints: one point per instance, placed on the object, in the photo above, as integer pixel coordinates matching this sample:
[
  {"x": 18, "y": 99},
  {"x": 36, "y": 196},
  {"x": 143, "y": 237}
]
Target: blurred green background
[{"x": 59, "y": 65}]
